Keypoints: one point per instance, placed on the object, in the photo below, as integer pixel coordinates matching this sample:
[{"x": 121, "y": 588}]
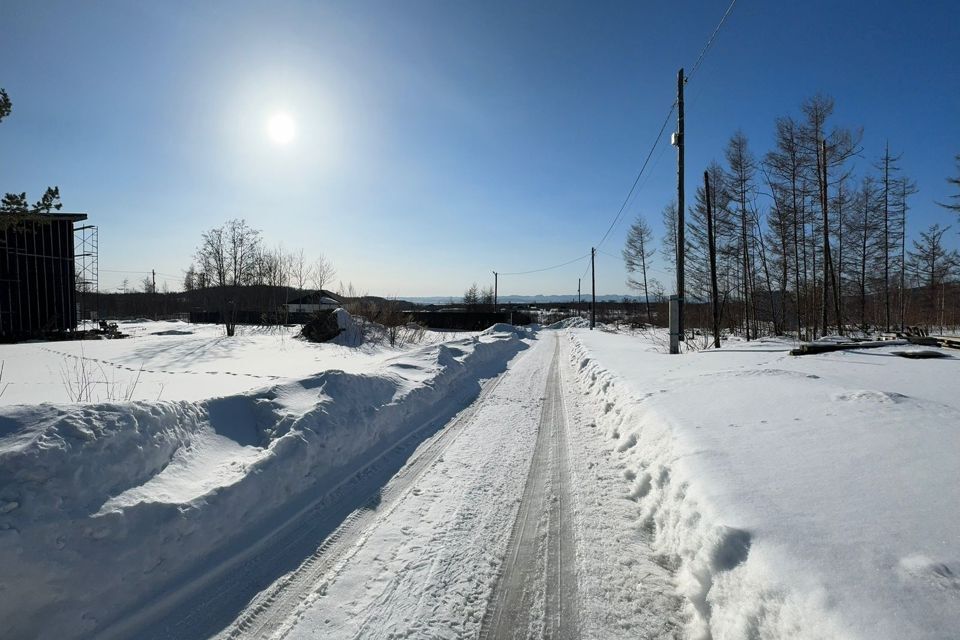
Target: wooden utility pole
[
  {"x": 886, "y": 237},
  {"x": 681, "y": 247},
  {"x": 712, "y": 242},
  {"x": 578, "y": 297},
  {"x": 903, "y": 254},
  {"x": 593, "y": 288},
  {"x": 495, "y": 278}
]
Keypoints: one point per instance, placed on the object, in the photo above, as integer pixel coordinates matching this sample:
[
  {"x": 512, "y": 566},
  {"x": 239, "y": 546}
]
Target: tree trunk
[{"x": 711, "y": 241}]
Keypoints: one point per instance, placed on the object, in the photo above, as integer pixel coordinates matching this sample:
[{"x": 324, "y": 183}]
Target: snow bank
[
  {"x": 792, "y": 497},
  {"x": 503, "y": 327},
  {"x": 574, "y": 322},
  {"x": 102, "y": 506}
]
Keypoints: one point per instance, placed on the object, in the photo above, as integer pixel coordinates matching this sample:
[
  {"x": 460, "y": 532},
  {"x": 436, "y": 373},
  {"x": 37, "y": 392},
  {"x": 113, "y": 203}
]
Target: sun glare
[{"x": 281, "y": 128}]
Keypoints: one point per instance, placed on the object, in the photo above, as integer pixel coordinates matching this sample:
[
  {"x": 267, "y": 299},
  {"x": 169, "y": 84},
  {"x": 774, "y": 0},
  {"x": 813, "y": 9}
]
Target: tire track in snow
[
  {"x": 334, "y": 520},
  {"x": 536, "y": 595},
  {"x": 274, "y": 607}
]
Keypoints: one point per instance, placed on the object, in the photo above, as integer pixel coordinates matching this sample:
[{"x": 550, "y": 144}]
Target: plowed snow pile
[
  {"x": 104, "y": 506},
  {"x": 812, "y": 497}
]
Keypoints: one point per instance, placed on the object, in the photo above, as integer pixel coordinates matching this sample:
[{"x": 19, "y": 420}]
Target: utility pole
[
  {"x": 495, "y": 275},
  {"x": 712, "y": 242},
  {"x": 886, "y": 236},
  {"x": 578, "y": 297},
  {"x": 593, "y": 287},
  {"x": 681, "y": 225},
  {"x": 153, "y": 274}
]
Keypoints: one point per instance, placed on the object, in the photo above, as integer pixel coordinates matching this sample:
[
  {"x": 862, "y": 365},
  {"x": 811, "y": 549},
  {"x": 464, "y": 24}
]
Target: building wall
[{"x": 37, "y": 288}]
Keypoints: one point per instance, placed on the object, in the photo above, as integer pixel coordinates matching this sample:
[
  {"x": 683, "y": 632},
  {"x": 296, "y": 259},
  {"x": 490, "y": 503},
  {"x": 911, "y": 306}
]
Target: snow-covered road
[
  {"x": 426, "y": 564},
  {"x": 514, "y": 484},
  {"x": 480, "y": 534},
  {"x": 536, "y": 595}
]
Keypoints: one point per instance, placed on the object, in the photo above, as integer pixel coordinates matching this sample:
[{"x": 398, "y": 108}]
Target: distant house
[
  {"x": 313, "y": 302},
  {"x": 37, "y": 274}
]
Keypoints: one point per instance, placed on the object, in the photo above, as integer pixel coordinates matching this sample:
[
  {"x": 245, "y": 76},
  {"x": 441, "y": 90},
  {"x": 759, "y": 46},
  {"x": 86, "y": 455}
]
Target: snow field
[
  {"x": 174, "y": 360},
  {"x": 791, "y": 498},
  {"x": 109, "y": 506}
]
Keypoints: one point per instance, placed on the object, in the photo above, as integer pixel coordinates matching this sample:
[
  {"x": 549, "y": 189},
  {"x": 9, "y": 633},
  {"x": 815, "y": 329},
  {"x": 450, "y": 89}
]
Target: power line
[
  {"x": 122, "y": 271},
  {"x": 643, "y": 168},
  {"x": 706, "y": 47},
  {"x": 556, "y": 266},
  {"x": 610, "y": 255},
  {"x": 666, "y": 121},
  {"x": 646, "y": 161},
  {"x": 584, "y": 274}
]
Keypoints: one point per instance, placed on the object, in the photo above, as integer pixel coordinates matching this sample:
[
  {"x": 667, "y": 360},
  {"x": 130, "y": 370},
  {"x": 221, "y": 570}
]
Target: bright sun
[{"x": 281, "y": 128}]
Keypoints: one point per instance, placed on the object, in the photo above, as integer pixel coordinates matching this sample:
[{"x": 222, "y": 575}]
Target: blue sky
[{"x": 437, "y": 141}]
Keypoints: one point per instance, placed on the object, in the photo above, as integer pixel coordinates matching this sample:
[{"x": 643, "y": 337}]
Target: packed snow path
[
  {"x": 269, "y": 610},
  {"x": 427, "y": 561},
  {"x": 489, "y": 527},
  {"x": 540, "y": 574},
  {"x": 325, "y": 532}
]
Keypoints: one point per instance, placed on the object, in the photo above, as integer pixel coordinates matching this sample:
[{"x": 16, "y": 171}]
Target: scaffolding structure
[{"x": 86, "y": 243}]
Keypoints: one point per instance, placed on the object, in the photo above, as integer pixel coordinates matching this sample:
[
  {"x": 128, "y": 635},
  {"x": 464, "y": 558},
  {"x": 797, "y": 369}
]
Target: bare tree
[
  {"x": 862, "y": 232},
  {"x": 669, "y": 243},
  {"x": 889, "y": 239},
  {"x": 636, "y": 252},
  {"x": 228, "y": 256},
  {"x": 300, "y": 271},
  {"x": 740, "y": 181},
  {"x": 955, "y": 181},
  {"x": 486, "y": 296},
  {"x": 190, "y": 278},
  {"x": 322, "y": 273},
  {"x": 933, "y": 265},
  {"x": 903, "y": 189},
  {"x": 785, "y": 166}
]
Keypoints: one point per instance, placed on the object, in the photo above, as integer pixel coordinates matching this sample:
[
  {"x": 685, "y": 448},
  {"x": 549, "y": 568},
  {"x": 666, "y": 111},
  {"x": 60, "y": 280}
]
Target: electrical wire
[
  {"x": 643, "y": 168},
  {"x": 706, "y": 47},
  {"x": 646, "y": 161},
  {"x": 696, "y": 66},
  {"x": 121, "y": 271},
  {"x": 556, "y": 266},
  {"x": 584, "y": 274}
]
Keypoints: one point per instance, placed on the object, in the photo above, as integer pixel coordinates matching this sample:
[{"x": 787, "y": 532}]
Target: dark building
[{"x": 37, "y": 274}]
